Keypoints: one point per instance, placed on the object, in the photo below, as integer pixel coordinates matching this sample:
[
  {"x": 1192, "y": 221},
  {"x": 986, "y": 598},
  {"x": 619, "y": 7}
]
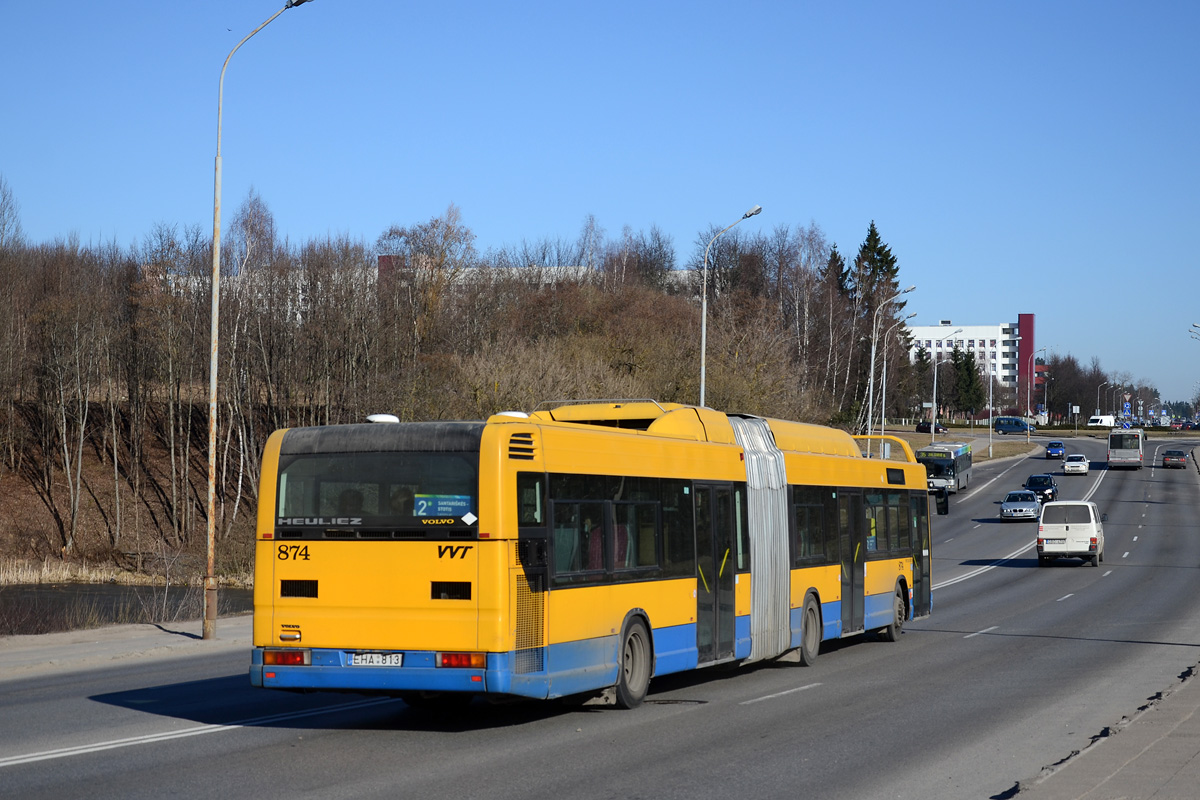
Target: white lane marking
[
  {"x": 988, "y": 568},
  {"x": 1095, "y": 486},
  {"x": 1064, "y": 597},
  {"x": 1105, "y": 575},
  {"x": 149, "y": 738},
  {"x": 980, "y": 525},
  {"x": 977, "y": 633},
  {"x": 1126, "y": 554},
  {"x": 1135, "y": 538},
  {"x": 983, "y": 486},
  {"x": 778, "y": 694}
]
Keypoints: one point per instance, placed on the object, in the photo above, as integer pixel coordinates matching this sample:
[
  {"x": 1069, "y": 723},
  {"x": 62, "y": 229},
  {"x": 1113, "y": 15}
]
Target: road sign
[{"x": 1125, "y": 425}]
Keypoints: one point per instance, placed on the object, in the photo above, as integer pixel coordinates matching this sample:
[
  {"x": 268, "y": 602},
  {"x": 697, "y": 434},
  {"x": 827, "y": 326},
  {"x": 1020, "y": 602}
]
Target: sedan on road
[
  {"x": 923, "y": 427},
  {"x": 1174, "y": 458},
  {"x": 1075, "y": 464},
  {"x": 1020, "y": 504},
  {"x": 1043, "y": 486}
]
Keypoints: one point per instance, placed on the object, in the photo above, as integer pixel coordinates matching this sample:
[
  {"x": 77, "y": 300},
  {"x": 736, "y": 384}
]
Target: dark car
[
  {"x": 923, "y": 427},
  {"x": 1174, "y": 458},
  {"x": 1055, "y": 450},
  {"x": 1043, "y": 486}
]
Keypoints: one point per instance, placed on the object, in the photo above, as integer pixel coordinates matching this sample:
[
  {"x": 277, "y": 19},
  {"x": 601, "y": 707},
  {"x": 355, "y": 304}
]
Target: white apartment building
[{"x": 997, "y": 348}]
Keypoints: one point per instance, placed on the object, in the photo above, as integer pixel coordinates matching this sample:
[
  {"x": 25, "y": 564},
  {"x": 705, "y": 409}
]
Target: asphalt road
[{"x": 1018, "y": 667}]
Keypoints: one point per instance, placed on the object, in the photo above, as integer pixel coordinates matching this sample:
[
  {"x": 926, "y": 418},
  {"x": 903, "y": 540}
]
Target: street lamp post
[
  {"x": 883, "y": 386},
  {"x": 933, "y": 423},
  {"x": 210, "y": 579},
  {"x": 874, "y": 339},
  {"x": 704, "y": 298},
  {"x": 1029, "y": 388},
  {"x": 1099, "y": 410},
  {"x": 991, "y": 406}
]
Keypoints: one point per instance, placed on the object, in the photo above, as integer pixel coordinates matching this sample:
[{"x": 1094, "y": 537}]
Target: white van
[
  {"x": 1102, "y": 421},
  {"x": 1070, "y": 529}
]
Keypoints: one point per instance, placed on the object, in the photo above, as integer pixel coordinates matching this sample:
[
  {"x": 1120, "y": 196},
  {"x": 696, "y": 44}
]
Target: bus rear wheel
[
  {"x": 810, "y": 632},
  {"x": 633, "y": 675}
]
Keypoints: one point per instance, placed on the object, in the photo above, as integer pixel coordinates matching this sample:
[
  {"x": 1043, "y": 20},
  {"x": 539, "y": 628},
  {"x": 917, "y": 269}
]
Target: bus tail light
[
  {"x": 287, "y": 658},
  {"x": 1092, "y": 546},
  {"x": 462, "y": 660}
]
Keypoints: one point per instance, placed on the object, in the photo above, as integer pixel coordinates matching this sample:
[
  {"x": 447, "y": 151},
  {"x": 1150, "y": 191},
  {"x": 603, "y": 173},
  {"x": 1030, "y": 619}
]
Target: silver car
[{"x": 1022, "y": 504}]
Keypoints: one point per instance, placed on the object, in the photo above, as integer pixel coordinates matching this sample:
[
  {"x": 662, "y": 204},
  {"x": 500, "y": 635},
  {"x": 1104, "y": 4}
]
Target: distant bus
[
  {"x": 577, "y": 550},
  {"x": 1125, "y": 447},
  {"x": 948, "y": 465}
]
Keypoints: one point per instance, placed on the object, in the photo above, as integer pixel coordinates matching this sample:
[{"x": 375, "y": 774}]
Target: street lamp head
[
  {"x": 752, "y": 212},
  {"x": 909, "y": 289},
  {"x": 294, "y": 3}
]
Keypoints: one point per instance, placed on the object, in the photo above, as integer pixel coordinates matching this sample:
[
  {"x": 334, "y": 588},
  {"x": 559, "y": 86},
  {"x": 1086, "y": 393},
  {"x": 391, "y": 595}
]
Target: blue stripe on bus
[
  {"x": 569, "y": 668},
  {"x": 741, "y": 636}
]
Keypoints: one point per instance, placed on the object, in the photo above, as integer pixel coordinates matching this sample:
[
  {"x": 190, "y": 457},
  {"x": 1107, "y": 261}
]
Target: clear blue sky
[{"x": 1018, "y": 157}]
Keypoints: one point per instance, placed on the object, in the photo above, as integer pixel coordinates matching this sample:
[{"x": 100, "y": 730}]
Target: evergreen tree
[
  {"x": 836, "y": 268},
  {"x": 969, "y": 393},
  {"x": 879, "y": 271}
]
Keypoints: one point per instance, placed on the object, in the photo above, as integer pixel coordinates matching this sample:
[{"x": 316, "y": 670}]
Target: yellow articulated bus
[{"x": 579, "y": 550}]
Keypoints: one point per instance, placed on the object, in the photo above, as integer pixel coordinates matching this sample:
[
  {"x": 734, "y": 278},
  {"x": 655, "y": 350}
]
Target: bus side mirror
[{"x": 942, "y": 498}]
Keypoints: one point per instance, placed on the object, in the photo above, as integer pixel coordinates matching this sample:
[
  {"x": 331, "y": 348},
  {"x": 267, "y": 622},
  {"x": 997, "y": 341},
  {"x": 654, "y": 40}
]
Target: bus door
[
  {"x": 853, "y": 546},
  {"x": 716, "y": 566},
  {"x": 922, "y": 554}
]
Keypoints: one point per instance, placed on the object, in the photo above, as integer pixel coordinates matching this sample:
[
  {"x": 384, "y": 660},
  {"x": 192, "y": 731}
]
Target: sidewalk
[
  {"x": 1155, "y": 754},
  {"x": 21, "y": 656}
]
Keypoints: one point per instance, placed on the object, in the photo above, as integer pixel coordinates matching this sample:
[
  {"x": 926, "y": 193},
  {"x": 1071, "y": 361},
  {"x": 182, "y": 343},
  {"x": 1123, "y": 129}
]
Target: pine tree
[
  {"x": 880, "y": 272},
  {"x": 969, "y": 394}
]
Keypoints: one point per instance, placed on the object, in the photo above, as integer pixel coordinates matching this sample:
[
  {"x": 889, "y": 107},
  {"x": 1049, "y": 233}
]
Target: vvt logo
[{"x": 453, "y": 550}]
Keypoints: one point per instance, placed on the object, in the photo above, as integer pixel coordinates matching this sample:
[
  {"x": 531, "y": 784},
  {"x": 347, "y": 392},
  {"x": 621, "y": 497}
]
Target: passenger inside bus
[{"x": 402, "y": 501}]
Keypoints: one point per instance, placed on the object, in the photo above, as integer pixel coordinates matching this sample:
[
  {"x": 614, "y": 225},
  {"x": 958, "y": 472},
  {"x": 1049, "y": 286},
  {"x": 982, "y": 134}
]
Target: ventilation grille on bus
[
  {"x": 520, "y": 447},
  {"x": 297, "y": 588},
  {"x": 450, "y": 590},
  {"x": 530, "y": 655}
]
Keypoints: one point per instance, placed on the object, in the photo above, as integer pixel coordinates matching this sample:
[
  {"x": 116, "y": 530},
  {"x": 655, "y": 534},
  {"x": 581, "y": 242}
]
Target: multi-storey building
[{"x": 1005, "y": 350}]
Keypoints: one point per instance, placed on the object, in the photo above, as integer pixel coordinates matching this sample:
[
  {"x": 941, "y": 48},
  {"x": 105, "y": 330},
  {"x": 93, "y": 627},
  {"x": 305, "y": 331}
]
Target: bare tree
[{"x": 11, "y": 235}]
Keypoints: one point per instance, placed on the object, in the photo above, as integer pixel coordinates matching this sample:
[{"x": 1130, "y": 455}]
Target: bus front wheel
[
  {"x": 633, "y": 676},
  {"x": 892, "y": 632}
]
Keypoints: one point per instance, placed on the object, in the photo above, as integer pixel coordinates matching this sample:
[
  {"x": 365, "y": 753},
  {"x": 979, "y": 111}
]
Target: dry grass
[{"x": 23, "y": 571}]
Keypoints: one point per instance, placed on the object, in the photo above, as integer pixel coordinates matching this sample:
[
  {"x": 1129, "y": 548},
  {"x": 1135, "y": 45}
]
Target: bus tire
[
  {"x": 810, "y": 632},
  {"x": 633, "y": 670},
  {"x": 891, "y": 633}
]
